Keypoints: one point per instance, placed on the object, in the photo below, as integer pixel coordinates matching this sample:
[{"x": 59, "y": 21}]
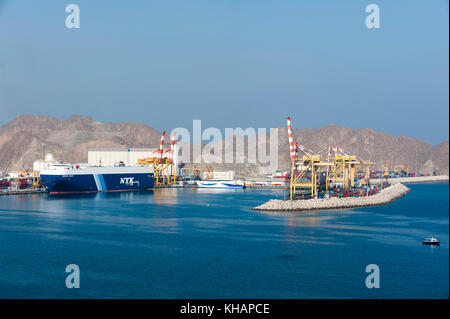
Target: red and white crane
[
  {"x": 161, "y": 145},
  {"x": 294, "y": 146},
  {"x": 172, "y": 147}
]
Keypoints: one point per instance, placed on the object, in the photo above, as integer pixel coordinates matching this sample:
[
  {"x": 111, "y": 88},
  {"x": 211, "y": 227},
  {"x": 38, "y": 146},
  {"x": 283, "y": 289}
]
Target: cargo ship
[{"x": 69, "y": 178}]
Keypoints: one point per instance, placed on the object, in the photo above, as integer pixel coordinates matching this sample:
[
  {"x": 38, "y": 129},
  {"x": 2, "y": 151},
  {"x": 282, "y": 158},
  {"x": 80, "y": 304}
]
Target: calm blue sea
[{"x": 187, "y": 243}]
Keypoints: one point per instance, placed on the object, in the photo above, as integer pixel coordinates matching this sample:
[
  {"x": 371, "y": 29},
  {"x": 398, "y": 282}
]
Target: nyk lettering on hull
[{"x": 127, "y": 180}]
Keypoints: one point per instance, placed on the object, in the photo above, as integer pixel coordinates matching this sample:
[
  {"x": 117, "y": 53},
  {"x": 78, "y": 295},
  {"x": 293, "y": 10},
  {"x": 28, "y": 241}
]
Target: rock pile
[{"x": 385, "y": 196}]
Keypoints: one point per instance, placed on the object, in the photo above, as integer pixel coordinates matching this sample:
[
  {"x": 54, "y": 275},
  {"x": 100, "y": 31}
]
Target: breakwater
[
  {"x": 385, "y": 196},
  {"x": 22, "y": 191}
]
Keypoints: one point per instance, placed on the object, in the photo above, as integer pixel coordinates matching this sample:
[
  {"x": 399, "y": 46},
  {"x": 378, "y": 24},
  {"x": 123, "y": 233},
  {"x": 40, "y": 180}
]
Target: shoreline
[
  {"x": 412, "y": 180},
  {"x": 23, "y": 191},
  {"x": 386, "y": 196}
]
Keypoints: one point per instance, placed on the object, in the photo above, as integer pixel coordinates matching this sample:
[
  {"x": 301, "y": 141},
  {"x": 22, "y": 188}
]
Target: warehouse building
[{"x": 129, "y": 156}]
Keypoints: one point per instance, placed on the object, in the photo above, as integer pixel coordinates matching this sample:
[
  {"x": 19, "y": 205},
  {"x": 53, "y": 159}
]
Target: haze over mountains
[{"x": 27, "y": 137}]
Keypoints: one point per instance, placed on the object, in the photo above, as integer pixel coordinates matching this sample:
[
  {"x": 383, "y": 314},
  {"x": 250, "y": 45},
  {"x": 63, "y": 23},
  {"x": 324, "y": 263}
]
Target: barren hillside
[{"x": 26, "y": 138}]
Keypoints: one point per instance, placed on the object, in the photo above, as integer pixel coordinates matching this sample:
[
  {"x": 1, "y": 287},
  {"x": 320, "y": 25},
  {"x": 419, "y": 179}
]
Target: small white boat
[
  {"x": 431, "y": 241},
  {"x": 223, "y": 184},
  {"x": 179, "y": 184}
]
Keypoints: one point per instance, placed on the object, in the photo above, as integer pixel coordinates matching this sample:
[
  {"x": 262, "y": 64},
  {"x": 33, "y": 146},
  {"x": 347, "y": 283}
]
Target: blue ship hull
[{"x": 82, "y": 183}]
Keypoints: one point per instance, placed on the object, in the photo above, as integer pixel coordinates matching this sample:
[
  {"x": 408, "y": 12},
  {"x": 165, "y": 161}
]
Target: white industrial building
[
  {"x": 44, "y": 164},
  {"x": 227, "y": 175},
  {"x": 129, "y": 156}
]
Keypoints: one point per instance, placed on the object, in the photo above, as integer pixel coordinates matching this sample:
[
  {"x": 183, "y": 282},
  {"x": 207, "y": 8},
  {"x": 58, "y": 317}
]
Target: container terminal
[
  {"x": 329, "y": 173},
  {"x": 333, "y": 178}
]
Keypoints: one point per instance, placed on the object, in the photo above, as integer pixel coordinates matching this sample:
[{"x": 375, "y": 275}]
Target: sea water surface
[{"x": 188, "y": 243}]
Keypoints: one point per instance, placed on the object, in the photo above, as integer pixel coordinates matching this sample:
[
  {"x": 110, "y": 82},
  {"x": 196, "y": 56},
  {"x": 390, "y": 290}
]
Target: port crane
[
  {"x": 304, "y": 170},
  {"x": 164, "y": 168},
  {"x": 365, "y": 165},
  {"x": 5, "y": 169},
  {"x": 335, "y": 172},
  {"x": 386, "y": 170},
  {"x": 343, "y": 167},
  {"x": 339, "y": 167},
  {"x": 404, "y": 167}
]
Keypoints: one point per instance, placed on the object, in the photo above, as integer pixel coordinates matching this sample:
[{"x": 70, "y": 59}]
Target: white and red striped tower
[
  {"x": 172, "y": 152},
  {"x": 161, "y": 144},
  {"x": 292, "y": 146},
  {"x": 172, "y": 147}
]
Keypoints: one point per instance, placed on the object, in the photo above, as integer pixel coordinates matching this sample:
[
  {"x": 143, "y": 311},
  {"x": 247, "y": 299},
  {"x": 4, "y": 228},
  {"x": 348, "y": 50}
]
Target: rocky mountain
[
  {"x": 374, "y": 146},
  {"x": 439, "y": 159},
  {"x": 26, "y": 138}
]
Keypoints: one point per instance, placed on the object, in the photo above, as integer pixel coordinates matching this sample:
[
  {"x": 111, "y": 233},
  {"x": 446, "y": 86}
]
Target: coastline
[
  {"x": 385, "y": 196},
  {"x": 412, "y": 180}
]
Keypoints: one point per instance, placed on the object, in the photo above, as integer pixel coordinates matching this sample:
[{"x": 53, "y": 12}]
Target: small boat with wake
[{"x": 431, "y": 241}]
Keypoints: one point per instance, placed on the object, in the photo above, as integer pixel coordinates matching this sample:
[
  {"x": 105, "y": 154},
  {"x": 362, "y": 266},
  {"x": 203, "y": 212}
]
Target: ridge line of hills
[{"x": 26, "y": 138}]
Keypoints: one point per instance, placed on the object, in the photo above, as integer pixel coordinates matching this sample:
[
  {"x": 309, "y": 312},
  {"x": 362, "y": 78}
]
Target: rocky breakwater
[{"x": 385, "y": 196}]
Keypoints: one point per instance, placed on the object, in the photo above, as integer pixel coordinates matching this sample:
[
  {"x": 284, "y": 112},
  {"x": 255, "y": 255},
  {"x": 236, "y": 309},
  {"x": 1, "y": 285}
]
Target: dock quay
[
  {"x": 385, "y": 196},
  {"x": 265, "y": 186},
  {"x": 411, "y": 180},
  {"x": 22, "y": 191}
]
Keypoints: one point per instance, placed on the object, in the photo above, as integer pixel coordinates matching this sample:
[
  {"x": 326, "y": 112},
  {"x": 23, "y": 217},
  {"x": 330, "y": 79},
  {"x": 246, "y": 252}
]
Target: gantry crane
[
  {"x": 386, "y": 170},
  {"x": 163, "y": 164},
  {"x": 365, "y": 165},
  {"x": 36, "y": 179},
  {"x": 340, "y": 167},
  {"x": 304, "y": 170},
  {"x": 5, "y": 169},
  {"x": 405, "y": 167},
  {"x": 343, "y": 167},
  {"x": 335, "y": 172}
]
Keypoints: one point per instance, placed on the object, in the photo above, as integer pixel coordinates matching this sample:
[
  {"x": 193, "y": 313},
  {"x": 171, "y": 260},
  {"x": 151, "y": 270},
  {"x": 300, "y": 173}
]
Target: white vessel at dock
[{"x": 223, "y": 184}]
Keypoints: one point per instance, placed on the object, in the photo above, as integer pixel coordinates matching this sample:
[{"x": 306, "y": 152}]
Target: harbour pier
[
  {"x": 22, "y": 191},
  {"x": 385, "y": 196},
  {"x": 412, "y": 180}
]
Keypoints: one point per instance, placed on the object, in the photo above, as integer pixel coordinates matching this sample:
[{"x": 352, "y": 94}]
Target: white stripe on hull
[{"x": 97, "y": 183}]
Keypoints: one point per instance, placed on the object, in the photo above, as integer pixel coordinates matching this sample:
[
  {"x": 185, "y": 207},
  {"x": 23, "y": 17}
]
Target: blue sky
[{"x": 230, "y": 63}]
